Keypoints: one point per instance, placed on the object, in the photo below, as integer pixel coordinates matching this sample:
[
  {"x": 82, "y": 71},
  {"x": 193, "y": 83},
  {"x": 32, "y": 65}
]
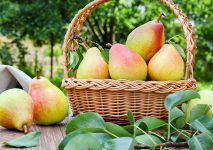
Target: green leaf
[
  {"x": 28, "y": 140},
  {"x": 131, "y": 117},
  {"x": 85, "y": 120},
  {"x": 201, "y": 142},
  {"x": 117, "y": 130},
  {"x": 151, "y": 122},
  {"x": 80, "y": 57},
  {"x": 175, "y": 113},
  {"x": 174, "y": 138},
  {"x": 177, "y": 98},
  {"x": 177, "y": 118},
  {"x": 76, "y": 58},
  {"x": 68, "y": 137},
  {"x": 179, "y": 123},
  {"x": 101, "y": 137},
  {"x": 203, "y": 124},
  {"x": 180, "y": 50},
  {"x": 129, "y": 128},
  {"x": 105, "y": 55},
  {"x": 124, "y": 143},
  {"x": 149, "y": 140},
  {"x": 198, "y": 111},
  {"x": 83, "y": 142},
  {"x": 184, "y": 107}
]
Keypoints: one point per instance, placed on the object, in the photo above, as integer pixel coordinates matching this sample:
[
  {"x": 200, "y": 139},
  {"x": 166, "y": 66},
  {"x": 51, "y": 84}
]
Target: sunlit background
[{"x": 32, "y": 31}]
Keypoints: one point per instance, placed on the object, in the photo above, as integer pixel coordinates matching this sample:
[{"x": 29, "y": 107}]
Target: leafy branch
[{"x": 145, "y": 133}]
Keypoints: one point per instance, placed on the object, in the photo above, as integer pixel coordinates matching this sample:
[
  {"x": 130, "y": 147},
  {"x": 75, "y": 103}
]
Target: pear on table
[
  {"x": 147, "y": 39},
  {"x": 93, "y": 66},
  {"x": 50, "y": 103},
  {"x": 126, "y": 64},
  {"x": 16, "y": 110},
  {"x": 166, "y": 64}
]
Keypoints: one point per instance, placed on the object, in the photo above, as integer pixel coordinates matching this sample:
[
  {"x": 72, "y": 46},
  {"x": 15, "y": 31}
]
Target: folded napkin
[{"x": 11, "y": 77}]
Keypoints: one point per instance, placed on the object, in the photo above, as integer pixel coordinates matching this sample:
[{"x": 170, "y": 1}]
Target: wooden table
[{"x": 51, "y": 136}]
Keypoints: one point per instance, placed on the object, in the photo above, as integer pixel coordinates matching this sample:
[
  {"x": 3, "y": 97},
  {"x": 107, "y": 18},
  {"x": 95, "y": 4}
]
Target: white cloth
[{"x": 11, "y": 77}]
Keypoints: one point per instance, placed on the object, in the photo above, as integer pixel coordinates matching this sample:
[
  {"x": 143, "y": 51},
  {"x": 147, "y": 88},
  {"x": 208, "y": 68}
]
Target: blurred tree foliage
[{"x": 46, "y": 21}]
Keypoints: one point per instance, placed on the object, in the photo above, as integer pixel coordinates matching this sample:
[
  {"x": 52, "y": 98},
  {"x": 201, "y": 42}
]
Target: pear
[
  {"x": 147, "y": 39},
  {"x": 126, "y": 64},
  {"x": 93, "y": 66},
  {"x": 206, "y": 97},
  {"x": 50, "y": 103},
  {"x": 16, "y": 110},
  {"x": 166, "y": 64}
]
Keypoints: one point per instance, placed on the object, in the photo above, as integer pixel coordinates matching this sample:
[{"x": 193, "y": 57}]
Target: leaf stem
[
  {"x": 179, "y": 131},
  {"x": 166, "y": 144},
  {"x": 157, "y": 135},
  {"x": 169, "y": 124},
  {"x": 179, "y": 35},
  {"x": 110, "y": 133},
  {"x": 146, "y": 134}
]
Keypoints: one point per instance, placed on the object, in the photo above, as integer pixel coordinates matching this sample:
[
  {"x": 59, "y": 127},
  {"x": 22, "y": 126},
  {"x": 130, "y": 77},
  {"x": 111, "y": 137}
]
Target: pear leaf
[
  {"x": 203, "y": 124},
  {"x": 123, "y": 143},
  {"x": 177, "y": 98},
  {"x": 101, "y": 137},
  {"x": 105, "y": 54},
  {"x": 117, "y": 130},
  {"x": 75, "y": 58},
  {"x": 175, "y": 113},
  {"x": 151, "y": 122},
  {"x": 83, "y": 142},
  {"x": 198, "y": 111},
  {"x": 68, "y": 137},
  {"x": 201, "y": 142},
  {"x": 85, "y": 120},
  {"x": 26, "y": 141},
  {"x": 131, "y": 117},
  {"x": 149, "y": 140},
  {"x": 180, "y": 50}
]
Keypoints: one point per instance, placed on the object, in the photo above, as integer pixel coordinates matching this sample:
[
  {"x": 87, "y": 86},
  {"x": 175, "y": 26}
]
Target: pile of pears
[
  {"x": 44, "y": 104},
  {"x": 144, "y": 57}
]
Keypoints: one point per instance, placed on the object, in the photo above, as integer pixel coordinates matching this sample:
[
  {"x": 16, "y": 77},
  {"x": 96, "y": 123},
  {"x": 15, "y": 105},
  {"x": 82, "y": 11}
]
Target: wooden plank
[{"x": 51, "y": 137}]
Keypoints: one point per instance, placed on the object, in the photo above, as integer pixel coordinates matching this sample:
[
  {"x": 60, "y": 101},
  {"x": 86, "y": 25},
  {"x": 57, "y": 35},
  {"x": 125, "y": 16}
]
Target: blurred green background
[{"x": 32, "y": 31}]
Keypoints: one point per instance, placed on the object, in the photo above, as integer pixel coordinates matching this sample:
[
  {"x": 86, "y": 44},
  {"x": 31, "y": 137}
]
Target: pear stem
[
  {"x": 160, "y": 16},
  {"x": 38, "y": 74},
  {"x": 109, "y": 45},
  {"x": 26, "y": 130}
]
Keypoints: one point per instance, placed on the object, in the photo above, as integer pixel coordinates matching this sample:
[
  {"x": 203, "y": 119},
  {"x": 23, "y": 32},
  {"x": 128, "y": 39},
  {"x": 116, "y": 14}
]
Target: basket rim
[{"x": 128, "y": 85}]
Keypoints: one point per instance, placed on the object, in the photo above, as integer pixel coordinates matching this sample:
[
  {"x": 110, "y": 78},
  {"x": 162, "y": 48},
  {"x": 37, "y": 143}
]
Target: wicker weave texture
[{"x": 113, "y": 98}]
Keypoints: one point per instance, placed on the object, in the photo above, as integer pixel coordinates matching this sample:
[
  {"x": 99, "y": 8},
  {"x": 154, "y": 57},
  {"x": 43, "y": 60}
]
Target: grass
[{"x": 204, "y": 85}]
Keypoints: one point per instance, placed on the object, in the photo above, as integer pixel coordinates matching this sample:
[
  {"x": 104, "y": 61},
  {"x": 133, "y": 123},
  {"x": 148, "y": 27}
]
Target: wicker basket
[{"x": 113, "y": 98}]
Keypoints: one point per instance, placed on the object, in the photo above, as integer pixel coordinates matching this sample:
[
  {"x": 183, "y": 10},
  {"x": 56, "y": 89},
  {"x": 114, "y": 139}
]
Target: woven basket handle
[{"x": 79, "y": 19}]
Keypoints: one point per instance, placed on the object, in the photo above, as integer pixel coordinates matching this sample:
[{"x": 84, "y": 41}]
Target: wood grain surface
[{"x": 51, "y": 136}]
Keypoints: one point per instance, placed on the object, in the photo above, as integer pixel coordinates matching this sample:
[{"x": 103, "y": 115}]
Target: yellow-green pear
[
  {"x": 126, "y": 64},
  {"x": 147, "y": 39},
  {"x": 93, "y": 66},
  {"x": 166, "y": 64},
  {"x": 206, "y": 97},
  {"x": 50, "y": 104},
  {"x": 16, "y": 110}
]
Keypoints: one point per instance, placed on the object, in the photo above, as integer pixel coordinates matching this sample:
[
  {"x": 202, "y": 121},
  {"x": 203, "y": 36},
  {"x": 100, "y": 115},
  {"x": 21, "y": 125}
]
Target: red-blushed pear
[
  {"x": 93, "y": 66},
  {"x": 166, "y": 64},
  {"x": 50, "y": 103},
  {"x": 16, "y": 110},
  {"x": 147, "y": 39},
  {"x": 126, "y": 64}
]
